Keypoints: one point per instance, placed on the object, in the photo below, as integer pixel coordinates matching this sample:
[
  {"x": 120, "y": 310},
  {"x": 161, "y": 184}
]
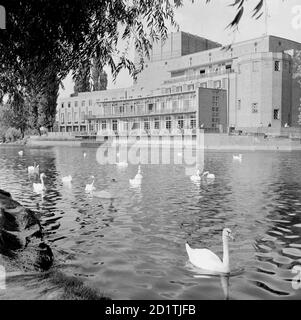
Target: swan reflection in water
[{"x": 224, "y": 277}]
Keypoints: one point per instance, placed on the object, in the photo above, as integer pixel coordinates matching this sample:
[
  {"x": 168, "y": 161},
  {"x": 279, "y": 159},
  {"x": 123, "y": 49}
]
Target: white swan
[
  {"x": 196, "y": 177},
  {"x": 209, "y": 261},
  {"x": 237, "y": 158},
  {"x": 20, "y": 153},
  {"x": 67, "y": 179},
  {"x": 84, "y": 154},
  {"x": 33, "y": 169},
  {"x": 90, "y": 187},
  {"x": 208, "y": 175},
  {"x": 138, "y": 178},
  {"x": 39, "y": 187}
]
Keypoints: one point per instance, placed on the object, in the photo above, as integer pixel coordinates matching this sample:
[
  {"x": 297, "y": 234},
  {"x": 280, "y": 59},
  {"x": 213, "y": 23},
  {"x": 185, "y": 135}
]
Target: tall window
[
  {"x": 83, "y": 103},
  {"x": 239, "y": 104},
  {"x": 115, "y": 125},
  {"x": 192, "y": 122},
  {"x": 276, "y": 114},
  {"x": 168, "y": 123},
  {"x": 157, "y": 123},
  {"x": 62, "y": 118},
  {"x": 90, "y": 102},
  {"x": 75, "y": 103},
  {"x": 69, "y": 117},
  {"x": 62, "y": 105},
  {"x": 180, "y": 122},
  {"x": 103, "y": 124},
  {"x": 277, "y": 65},
  {"x": 83, "y": 117}
]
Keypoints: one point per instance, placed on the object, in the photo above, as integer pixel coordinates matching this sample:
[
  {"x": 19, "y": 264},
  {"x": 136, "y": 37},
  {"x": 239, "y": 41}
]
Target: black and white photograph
[{"x": 150, "y": 151}]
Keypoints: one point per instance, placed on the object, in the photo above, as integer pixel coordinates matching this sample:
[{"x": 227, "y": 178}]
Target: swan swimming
[
  {"x": 39, "y": 187},
  {"x": 84, "y": 154},
  {"x": 33, "y": 169},
  {"x": 20, "y": 153},
  {"x": 138, "y": 178},
  {"x": 67, "y": 179},
  {"x": 196, "y": 177},
  {"x": 208, "y": 175},
  {"x": 237, "y": 158},
  {"x": 209, "y": 261},
  {"x": 90, "y": 187}
]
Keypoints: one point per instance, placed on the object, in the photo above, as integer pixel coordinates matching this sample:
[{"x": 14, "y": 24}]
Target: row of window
[
  {"x": 83, "y": 103},
  {"x": 180, "y": 123}
]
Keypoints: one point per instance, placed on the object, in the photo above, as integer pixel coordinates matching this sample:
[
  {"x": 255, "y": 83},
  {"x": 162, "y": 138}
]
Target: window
[
  {"x": 168, "y": 123},
  {"x": 217, "y": 84},
  {"x": 150, "y": 107},
  {"x": 192, "y": 122},
  {"x": 69, "y": 117},
  {"x": 114, "y": 125},
  {"x": 168, "y": 90},
  {"x": 83, "y": 117},
  {"x": 69, "y": 104},
  {"x": 62, "y": 118},
  {"x": 83, "y": 103},
  {"x": 90, "y": 102},
  {"x": 277, "y": 65},
  {"x": 180, "y": 122},
  {"x": 76, "y": 104},
  {"x": 157, "y": 123},
  {"x": 103, "y": 124},
  {"x": 90, "y": 113},
  {"x": 239, "y": 105},
  {"x": 162, "y": 105},
  {"x": 276, "y": 114},
  {"x": 203, "y": 85},
  {"x": 203, "y": 71},
  {"x": 62, "y": 105},
  {"x": 254, "y": 108},
  {"x": 215, "y": 101},
  {"x": 121, "y": 109},
  {"x": 179, "y": 89},
  {"x": 190, "y": 87}
]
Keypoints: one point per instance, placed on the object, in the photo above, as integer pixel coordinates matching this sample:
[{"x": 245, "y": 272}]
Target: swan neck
[{"x": 226, "y": 253}]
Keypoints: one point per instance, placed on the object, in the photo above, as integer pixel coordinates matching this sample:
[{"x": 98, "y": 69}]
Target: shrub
[{"x": 12, "y": 135}]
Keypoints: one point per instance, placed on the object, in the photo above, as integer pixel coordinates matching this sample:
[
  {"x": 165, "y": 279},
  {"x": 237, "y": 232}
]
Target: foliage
[{"x": 12, "y": 134}]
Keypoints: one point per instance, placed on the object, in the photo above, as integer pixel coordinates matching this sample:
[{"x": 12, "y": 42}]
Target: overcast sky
[{"x": 210, "y": 21}]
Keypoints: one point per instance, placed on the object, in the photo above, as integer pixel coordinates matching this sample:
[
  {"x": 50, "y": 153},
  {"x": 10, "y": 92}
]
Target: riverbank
[{"x": 222, "y": 142}]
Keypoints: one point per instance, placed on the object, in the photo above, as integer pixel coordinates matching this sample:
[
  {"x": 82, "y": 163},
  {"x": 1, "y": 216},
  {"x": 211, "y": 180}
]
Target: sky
[{"x": 211, "y": 20}]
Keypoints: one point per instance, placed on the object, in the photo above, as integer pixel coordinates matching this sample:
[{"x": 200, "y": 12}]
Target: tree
[
  {"x": 14, "y": 113},
  {"x": 98, "y": 75},
  {"x": 82, "y": 79}
]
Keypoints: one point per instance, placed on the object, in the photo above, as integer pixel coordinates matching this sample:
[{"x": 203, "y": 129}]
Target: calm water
[{"x": 134, "y": 246}]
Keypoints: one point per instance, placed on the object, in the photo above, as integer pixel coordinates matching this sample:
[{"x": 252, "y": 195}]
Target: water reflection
[{"x": 132, "y": 246}]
